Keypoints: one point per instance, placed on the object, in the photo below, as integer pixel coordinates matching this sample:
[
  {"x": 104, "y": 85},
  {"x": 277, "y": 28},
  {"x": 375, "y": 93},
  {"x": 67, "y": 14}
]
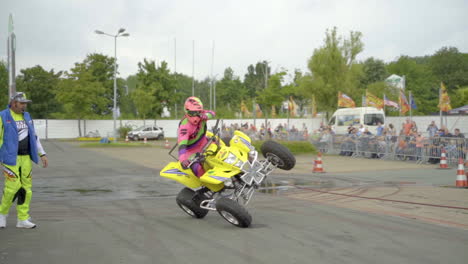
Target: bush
[
  {"x": 123, "y": 131},
  {"x": 296, "y": 147}
]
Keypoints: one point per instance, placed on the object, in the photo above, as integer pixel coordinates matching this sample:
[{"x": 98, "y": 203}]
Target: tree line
[{"x": 86, "y": 90}]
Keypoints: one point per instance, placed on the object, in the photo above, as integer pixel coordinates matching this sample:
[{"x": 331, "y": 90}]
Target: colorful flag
[
  {"x": 412, "y": 102},
  {"x": 390, "y": 103},
  {"x": 258, "y": 110},
  {"x": 244, "y": 109},
  {"x": 292, "y": 106},
  {"x": 372, "y": 100},
  {"x": 403, "y": 102},
  {"x": 345, "y": 101},
  {"x": 444, "y": 99},
  {"x": 314, "y": 107}
]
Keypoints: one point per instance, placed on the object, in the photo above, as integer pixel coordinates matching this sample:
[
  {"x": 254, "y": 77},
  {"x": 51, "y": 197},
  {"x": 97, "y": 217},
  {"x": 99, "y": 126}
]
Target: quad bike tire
[
  {"x": 278, "y": 154},
  {"x": 233, "y": 212},
  {"x": 189, "y": 202}
]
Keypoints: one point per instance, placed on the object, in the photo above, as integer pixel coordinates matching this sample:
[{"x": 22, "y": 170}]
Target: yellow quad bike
[{"x": 233, "y": 171}]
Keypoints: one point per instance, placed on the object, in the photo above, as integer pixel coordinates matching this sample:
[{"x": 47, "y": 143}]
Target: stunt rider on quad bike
[{"x": 191, "y": 133}]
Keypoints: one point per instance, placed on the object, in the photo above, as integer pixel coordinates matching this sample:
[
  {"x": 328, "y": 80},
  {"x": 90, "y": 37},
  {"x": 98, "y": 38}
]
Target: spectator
[
  {"x": 414, "y": 128},
  {"x": 432, "y": 129},
  {"x": 419, "y": 146},
  {"x": 407, "y": 127},
  {"x": 380, "y": 129},
  {"x": 460, "y": 142}
]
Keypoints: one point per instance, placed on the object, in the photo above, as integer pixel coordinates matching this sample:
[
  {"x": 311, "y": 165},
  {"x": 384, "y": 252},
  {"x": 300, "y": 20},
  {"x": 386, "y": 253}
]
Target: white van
[{"x": 346, "y": 117}]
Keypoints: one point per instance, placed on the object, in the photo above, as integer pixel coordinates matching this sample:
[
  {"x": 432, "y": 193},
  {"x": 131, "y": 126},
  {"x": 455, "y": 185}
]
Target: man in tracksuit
[{"x": 19, "y": 146}]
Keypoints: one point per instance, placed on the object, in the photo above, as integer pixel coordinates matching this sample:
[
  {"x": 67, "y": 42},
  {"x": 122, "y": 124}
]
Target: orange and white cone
[
  {"x": 318, "y": 166},
  {"x": 166, "y": 145},
  {"x": 145, "y": 140},
  {"x": 126, "y": 138},
  {"x": 443, "y": 160},
  {"x": 461, "y": 177}
]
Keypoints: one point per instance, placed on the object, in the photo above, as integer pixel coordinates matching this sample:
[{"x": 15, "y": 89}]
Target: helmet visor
[{"x": 193, "y": 113}]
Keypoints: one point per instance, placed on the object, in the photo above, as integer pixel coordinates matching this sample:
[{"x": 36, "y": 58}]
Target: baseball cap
[{"x": 20, "y": 97}]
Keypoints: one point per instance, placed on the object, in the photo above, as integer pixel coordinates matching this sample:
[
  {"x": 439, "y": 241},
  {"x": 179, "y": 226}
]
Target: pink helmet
[{"x": 193, "y": 104}]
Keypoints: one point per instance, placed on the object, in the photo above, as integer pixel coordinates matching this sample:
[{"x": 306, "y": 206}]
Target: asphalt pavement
[{"x": 95, "y": 207}]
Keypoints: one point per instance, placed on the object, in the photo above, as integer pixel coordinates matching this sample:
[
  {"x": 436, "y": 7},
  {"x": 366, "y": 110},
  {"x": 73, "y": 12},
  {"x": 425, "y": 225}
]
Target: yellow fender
[{"x": 174, "y": 171}]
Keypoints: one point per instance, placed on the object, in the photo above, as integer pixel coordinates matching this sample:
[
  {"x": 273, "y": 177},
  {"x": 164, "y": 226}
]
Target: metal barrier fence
[
  {"x": 419, "y": 149},
  {"x": 415, "y": 148}
]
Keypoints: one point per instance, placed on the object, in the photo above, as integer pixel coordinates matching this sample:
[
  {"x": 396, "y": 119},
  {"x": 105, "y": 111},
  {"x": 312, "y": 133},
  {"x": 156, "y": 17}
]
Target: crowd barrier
[{"x": 419, "y": 149}]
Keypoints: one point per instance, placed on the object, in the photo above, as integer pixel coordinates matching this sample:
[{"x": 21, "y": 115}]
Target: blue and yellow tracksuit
[{"x": 19, "y": 147}]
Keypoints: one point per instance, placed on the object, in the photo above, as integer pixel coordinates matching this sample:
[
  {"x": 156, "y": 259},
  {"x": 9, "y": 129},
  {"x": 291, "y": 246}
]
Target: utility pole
[
  {"x": 211, "y": 82},
  {"x": 193, "y": 68},
  {"x": 175, "y": 76},
  {"x": 11, "y": 47}
]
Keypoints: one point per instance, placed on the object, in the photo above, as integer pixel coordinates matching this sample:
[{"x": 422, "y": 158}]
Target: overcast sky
[{"x": 57, "y": 33}]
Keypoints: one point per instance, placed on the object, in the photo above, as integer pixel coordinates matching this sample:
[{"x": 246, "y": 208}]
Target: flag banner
[
  {"x": 412, "y": 102},
  {"x": 292, "y": 106},
  {"x": 345, "y": 101},
  {"x": 390, "y": 103},
  {"x": 444, "y": 99},
  {"x": 404, "y": 103},
  {"x": 245, "y": 110},
  {"x": 258, "y": 111},
  {"x": 372, "y": 100},
  {"x": 314, "y": 107}
]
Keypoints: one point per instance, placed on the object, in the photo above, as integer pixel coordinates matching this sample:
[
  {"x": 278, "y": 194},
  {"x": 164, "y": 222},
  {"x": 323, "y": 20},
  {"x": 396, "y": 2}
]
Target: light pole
[
  {"x": 213, "y": 85},
  {"x": 120, "y": 33}
]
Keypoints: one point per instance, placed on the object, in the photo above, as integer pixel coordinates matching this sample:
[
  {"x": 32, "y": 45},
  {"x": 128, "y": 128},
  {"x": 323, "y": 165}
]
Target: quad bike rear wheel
[
  {"x": 278, "y": 154},
  {"x": 233, "y": 212},
  {"x": 189, "y": 202}
]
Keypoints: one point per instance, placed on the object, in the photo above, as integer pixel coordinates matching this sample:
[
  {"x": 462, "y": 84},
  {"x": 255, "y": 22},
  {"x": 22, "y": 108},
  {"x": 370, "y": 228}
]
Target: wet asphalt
[{"x": 91, "y": 208}]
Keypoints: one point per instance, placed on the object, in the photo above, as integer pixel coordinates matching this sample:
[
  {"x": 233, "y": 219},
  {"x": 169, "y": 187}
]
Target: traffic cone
[
  {"x": 461, "y": 177},
  {"x": 443, "y": 160},
  {"x": 166, "y": 145},
  {"x": 318, "y": 166},
  {"x": 126, "y": 138},
  {"x": 145, "y": 141}
]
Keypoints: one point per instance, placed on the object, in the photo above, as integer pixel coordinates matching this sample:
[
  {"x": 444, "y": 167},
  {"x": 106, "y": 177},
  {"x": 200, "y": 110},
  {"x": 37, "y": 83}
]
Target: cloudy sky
[{"x": 57, "y": 33}]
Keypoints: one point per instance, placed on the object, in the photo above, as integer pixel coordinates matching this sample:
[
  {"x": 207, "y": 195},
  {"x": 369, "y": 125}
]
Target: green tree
[
  {"x": 3, "y": 85},
  {"x": 450, "y": 66},
  {"x": 158, "y": 83},
  {"x": 230, "y": 91},
  {"x": 256, "y": 77},
  {"x": 333, "y": 68},
  {"x": 101, "y": 69},
  {"x": 373, "y": 71},
  {"x": 39, "y": 86},
  {"x": 273, "y": 95},
  {"x": 80, "y": 96},
  {"x": 420, "y": 81}
]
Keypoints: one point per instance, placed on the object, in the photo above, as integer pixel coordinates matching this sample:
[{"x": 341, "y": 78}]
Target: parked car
[{"x": 148, "y": 132}]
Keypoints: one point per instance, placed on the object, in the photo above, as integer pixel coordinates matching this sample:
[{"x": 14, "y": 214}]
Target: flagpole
[
  {"x": 411, "y": 107},
  {"x": 440, "y": 108},
  {"x": 384, "y": 104}
]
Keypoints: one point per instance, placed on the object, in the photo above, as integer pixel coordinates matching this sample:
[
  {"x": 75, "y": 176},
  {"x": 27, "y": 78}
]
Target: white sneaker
[
  {"x": 3, "y": 220},
  {"x": 25, "y": 224}
]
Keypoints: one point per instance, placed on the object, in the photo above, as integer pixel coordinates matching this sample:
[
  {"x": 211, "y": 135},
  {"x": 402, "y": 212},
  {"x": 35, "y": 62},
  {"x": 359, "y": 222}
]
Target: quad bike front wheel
[
  {"x": 278, "y": 154},
  {"x": 189, "y": 202},
  {"x": 233, "y": 212}
]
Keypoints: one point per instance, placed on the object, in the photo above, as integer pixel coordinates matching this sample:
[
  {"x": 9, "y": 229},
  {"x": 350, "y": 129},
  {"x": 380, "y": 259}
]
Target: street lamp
[{"x": 120, "y": 33}]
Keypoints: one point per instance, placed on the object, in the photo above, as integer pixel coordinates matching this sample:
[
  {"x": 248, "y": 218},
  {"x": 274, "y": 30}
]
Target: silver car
[{"x": 148, "y": 132}]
